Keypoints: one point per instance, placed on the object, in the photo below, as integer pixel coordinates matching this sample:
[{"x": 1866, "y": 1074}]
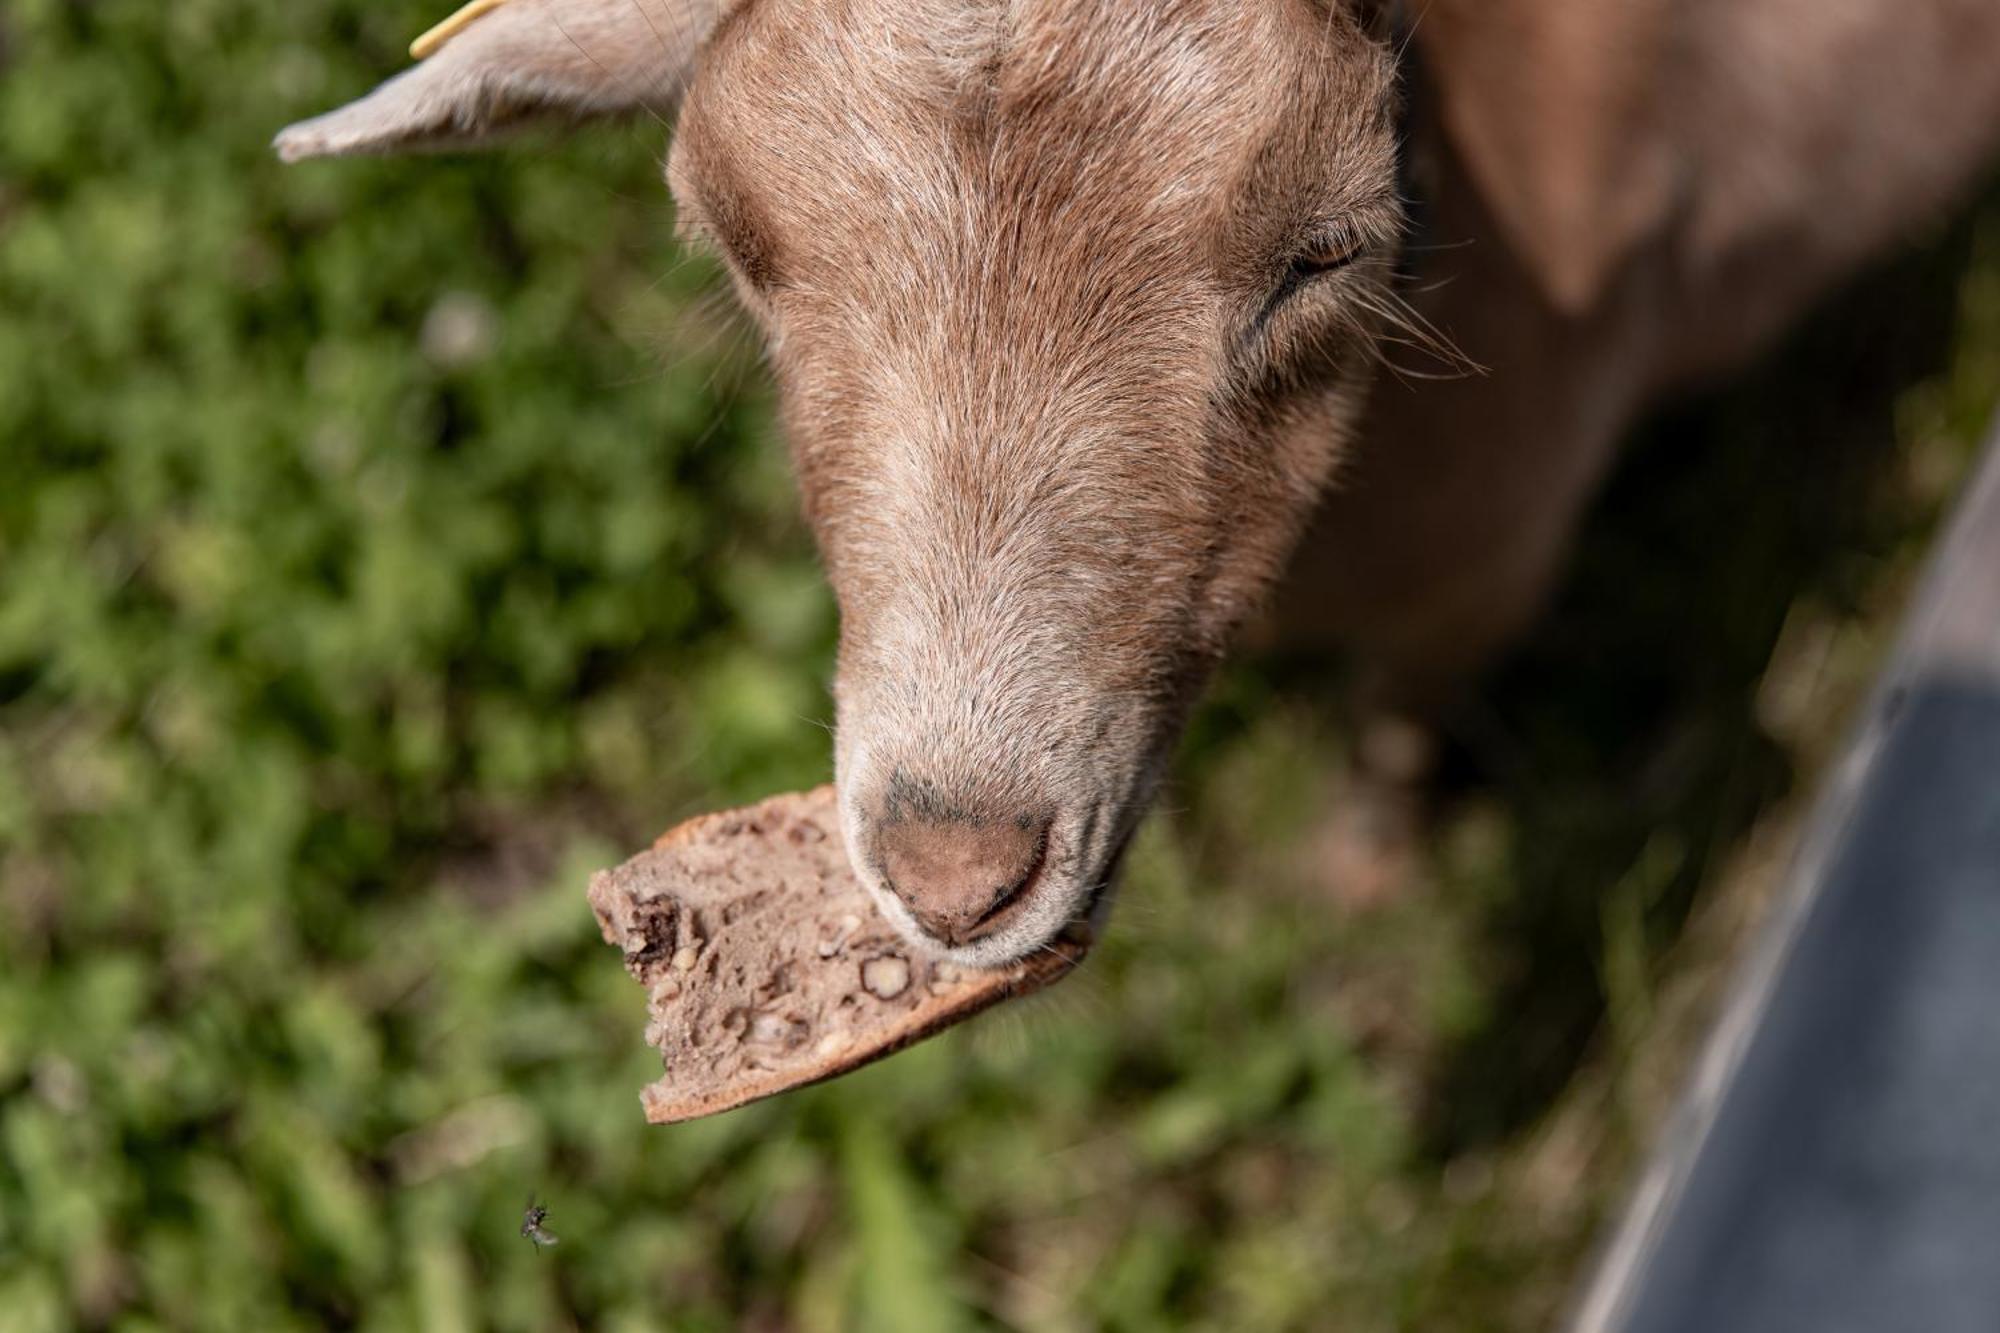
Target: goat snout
[{"x": 962, "y": 877}]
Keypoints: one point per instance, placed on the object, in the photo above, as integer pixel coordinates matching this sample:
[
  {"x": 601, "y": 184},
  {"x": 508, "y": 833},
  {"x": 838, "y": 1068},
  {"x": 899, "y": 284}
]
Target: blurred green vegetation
[{"x": 383, "y": 546}]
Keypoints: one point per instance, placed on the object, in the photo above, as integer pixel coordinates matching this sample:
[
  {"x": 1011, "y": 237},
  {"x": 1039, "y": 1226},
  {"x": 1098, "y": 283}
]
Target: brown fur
[{"x": 1059, "y": 398}]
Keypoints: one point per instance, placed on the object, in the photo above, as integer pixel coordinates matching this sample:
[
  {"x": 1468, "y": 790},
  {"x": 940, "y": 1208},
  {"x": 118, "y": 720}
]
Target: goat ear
[
  {"x": 497, "y": 64},
  {"x": 1554, "y": 111}
]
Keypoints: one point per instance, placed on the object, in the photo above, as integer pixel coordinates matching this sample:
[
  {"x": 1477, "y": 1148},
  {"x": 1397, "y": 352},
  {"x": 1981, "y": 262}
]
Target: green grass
[{"x": 384, "y": 546}]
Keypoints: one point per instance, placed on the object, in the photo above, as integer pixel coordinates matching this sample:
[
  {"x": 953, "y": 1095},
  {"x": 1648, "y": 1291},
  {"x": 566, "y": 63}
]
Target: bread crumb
[{"x": 885, "y": 978}]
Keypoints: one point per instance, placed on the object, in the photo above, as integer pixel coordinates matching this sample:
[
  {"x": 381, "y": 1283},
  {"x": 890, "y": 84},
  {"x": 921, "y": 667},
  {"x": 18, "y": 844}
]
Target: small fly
[{"x": 531, "y": 1225}]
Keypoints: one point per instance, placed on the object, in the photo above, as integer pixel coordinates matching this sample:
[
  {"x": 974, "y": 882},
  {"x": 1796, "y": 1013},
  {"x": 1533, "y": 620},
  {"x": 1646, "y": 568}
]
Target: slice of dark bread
[{"x": 766, "y": 964}]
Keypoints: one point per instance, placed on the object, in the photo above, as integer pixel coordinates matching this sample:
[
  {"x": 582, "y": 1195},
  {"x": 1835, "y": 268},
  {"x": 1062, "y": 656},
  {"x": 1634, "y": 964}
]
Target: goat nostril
[{"x": 959, "y": 877}]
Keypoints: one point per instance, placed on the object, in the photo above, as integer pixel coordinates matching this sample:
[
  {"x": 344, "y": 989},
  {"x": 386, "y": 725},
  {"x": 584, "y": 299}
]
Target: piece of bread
[{"x": 767, "y": 966}]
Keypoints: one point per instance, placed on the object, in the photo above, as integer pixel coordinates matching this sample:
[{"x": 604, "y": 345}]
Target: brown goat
[{"x": 1074, "y": 308}]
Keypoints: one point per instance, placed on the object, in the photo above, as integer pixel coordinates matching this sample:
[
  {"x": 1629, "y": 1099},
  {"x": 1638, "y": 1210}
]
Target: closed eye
[
  {"x": 1321, "y": 256},
  {"x": 1325, "y": 255}
]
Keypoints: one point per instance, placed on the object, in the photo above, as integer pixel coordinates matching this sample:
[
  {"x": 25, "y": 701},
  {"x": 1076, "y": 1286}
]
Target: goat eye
[
  {"x": 1324, "y": 256},
  {"x": 1328, "y": 254}
]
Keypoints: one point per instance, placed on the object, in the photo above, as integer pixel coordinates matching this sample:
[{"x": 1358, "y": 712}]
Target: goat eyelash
[
  {"x": 1304, "y": 268},
  {"x": 1329, "y": 248},
  {"x": 1327, "y": 253},
  {"x": 1324, "y": 255}
]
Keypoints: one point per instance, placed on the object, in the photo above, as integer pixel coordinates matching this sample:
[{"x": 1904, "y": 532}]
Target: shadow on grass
[{"x": 1625, "y": 734}]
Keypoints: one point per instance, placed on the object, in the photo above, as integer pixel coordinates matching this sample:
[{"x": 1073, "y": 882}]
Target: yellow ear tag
[{"x": 428, "y": 44}]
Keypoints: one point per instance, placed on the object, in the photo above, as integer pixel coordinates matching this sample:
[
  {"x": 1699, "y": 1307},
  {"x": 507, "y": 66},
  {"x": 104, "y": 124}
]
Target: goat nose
[{"x": 960, "y": 877}]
